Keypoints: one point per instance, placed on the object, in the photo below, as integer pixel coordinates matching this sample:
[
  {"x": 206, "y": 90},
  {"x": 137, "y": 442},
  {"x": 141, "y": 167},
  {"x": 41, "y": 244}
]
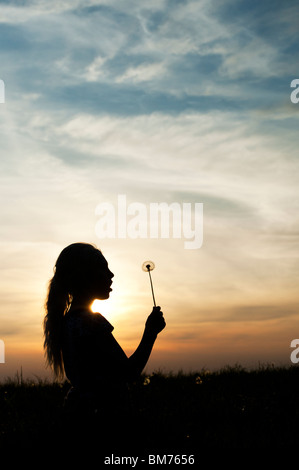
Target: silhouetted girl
[{"x": 80, "y": 343}]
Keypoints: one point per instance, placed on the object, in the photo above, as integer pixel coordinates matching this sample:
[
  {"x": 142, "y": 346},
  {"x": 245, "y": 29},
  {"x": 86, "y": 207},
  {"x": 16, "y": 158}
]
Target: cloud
[
  {"x": 263, "y": 312},
  {"x": 187, "y": 57},
  {"x": 142, "y": 73}
]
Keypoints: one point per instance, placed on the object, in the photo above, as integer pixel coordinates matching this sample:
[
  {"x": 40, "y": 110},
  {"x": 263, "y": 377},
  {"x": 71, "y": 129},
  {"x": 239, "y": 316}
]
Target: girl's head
[{"x": 81, "y": 274}]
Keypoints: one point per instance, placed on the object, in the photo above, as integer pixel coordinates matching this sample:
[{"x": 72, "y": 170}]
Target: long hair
[{"x": 71, "y": 269}]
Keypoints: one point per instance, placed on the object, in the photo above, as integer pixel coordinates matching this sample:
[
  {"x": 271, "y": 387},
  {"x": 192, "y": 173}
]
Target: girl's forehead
[{"x": 101, "y": 259}]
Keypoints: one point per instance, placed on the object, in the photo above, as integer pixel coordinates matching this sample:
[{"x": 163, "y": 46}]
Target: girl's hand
[{"x": 155, "y": 321}]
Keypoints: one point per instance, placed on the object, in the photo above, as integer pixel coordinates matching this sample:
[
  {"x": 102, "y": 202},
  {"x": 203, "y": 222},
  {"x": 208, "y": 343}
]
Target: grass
[{"x": 233, "y": 408}]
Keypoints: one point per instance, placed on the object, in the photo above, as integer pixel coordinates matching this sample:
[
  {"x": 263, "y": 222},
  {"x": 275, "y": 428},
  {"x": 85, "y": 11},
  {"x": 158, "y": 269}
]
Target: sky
[{"x": 185, "y": 102}]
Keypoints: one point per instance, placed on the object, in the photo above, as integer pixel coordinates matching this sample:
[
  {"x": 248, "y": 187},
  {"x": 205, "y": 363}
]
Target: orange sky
[{"x": 209, "y": 324}]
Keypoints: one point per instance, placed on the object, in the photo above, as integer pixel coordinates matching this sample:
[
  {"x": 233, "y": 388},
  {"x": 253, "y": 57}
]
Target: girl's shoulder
[
  {"x": 86, "y": 322},
  {"x": 99, "y": 321}
]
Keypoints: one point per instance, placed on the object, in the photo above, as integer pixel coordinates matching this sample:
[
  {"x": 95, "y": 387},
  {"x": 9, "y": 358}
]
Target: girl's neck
[{"x": 80, "y": 303}]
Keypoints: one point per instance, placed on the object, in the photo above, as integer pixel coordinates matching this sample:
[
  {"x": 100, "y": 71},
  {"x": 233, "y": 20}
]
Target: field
[{"x": 232, "y": 408}]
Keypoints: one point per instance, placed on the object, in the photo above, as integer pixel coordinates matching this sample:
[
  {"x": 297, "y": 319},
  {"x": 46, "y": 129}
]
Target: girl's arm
[
  {"x": 154, "y": 324},
  {"x": 115, "y": 363}
]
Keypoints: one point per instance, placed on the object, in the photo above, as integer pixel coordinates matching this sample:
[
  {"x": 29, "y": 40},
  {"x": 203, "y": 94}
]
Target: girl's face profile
[{"x": 101, "y": 278}]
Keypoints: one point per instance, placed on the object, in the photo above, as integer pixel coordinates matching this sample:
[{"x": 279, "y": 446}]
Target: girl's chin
[{"x": 105, "y": 296}]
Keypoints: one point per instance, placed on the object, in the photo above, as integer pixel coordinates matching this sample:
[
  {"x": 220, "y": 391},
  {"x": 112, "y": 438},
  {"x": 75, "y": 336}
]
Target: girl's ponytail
[{"x": 57, "y": 303}]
